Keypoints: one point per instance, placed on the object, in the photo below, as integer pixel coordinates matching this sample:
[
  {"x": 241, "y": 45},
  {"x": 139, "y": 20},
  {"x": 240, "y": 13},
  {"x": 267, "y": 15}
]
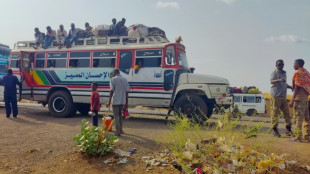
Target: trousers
[
  {"x": 301, "y": 111},
  {"x": 10, "y": 102},
  {"x": 279, "y": 104},
  {"x": 117, "y": 112}
]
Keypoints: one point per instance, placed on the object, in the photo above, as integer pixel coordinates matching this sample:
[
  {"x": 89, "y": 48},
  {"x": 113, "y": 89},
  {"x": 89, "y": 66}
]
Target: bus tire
[
  {"x": 193, "y": 106},
  {"x": 83, "y": 108},
  {"x": 60, "y": 104}
]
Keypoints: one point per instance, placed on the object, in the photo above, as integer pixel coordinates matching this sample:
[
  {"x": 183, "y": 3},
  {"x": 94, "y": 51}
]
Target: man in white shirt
[
  {"x": 61, "y": 36},
  {"x": 119, "y": 92}
]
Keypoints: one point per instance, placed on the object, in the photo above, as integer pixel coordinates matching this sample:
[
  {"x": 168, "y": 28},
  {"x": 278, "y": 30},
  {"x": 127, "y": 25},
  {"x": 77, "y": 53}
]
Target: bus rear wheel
[
  {"x": 193, "y": 106},
  {"x": 60, "y": 104}
]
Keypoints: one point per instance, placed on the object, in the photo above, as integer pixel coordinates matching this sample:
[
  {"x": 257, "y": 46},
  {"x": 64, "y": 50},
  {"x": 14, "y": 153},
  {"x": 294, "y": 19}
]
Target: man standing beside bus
[
  {"x": 10, "y": 81},
  {"x": 119, "y": 92},
  {"x": 278, "y": 99},
  {"x": 301, "y": 86}
]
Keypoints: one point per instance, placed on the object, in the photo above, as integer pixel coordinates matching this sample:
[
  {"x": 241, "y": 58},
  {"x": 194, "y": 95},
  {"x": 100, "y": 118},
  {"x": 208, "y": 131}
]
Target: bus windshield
[{"x": 182, "y": 59}]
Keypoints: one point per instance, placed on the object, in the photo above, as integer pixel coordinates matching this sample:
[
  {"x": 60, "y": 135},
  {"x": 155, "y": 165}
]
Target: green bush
[{"x": 88, "y": 143}]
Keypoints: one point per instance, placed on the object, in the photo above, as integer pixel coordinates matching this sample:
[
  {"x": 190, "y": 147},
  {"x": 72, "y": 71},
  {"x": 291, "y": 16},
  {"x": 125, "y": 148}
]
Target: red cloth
[
  {"x": 95, "y": 98},
  {"x": 302, "y": 78}
]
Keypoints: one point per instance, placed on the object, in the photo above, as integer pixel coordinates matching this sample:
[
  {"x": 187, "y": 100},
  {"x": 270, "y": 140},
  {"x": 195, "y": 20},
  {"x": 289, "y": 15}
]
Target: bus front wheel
[
  {"x": 193, "y": 106},
  {"x": 60, "y": 104}
]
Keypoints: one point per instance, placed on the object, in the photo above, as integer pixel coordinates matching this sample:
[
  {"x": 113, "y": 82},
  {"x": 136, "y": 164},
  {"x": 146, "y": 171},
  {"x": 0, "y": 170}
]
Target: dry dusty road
[{"x": 37, "y": 142}]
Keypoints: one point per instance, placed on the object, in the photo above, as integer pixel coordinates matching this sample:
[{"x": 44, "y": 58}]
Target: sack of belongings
[
  {"x": 154, "y": 31},
  {"x": 101, "y": 30},
  {"x": 137, "y": 30}
]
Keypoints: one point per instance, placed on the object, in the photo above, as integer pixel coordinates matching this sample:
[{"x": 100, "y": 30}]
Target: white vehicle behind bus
[{"x": 250, "y": 103}]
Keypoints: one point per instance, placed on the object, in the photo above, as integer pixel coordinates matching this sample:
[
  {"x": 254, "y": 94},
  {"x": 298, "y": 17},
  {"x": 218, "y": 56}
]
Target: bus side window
[
  {"x": 40, "y": 59},
  {"x": 125, "y": 61},
  {"x": 170, "y": 56},
  {"x": 104, "y": 59},
  {"x": 237, "y": 99}
]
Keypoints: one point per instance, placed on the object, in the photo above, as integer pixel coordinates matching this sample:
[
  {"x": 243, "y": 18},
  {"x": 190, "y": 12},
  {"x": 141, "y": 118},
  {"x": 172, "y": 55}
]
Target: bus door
[
  {"x": 27, "y": 64},
  {"x": 148, "y": 78}
]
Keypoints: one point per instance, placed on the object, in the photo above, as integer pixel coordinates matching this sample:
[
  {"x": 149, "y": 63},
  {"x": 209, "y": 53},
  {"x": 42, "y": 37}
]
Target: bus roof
[
  {"x": 4, "y": 49},
  {"x": 94, "y": 43}
]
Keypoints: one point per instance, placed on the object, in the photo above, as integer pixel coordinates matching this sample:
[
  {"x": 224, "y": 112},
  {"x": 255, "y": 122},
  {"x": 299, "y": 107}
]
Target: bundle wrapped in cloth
[
  {"x": 140, "y": 30},
  {"x": 101, "y": 30}
]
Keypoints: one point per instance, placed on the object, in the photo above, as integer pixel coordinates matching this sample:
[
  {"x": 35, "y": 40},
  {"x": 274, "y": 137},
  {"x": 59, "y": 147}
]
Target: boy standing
[{"x": 94, "y": 103}]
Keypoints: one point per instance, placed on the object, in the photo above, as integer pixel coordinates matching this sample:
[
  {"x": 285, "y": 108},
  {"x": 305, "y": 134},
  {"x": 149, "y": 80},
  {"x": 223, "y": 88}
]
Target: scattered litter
[
  {"x": 132, "y": 150},
  {"x": 106, "y": 161},
  {"x": 308, "y": 168},
  {"x": 282, "y": 166},
  {"x": 176, "y": 165},
  {"x": 122, "y": 153},
  {"x": 122, "y": 161}
]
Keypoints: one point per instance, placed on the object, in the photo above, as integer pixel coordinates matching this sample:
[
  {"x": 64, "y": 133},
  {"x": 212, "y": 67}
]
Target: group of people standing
[
  {"x": 118, "y": 98},
  {"x": 299, "y": 102},
  {"x": 64, "y": 38}
]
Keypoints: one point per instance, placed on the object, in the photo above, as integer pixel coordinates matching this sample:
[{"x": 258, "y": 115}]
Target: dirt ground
[{"x": 36, "y": 142}]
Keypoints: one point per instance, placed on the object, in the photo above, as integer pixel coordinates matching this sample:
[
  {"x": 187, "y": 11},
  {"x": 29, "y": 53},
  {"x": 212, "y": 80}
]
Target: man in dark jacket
[{"x": 10, "y": 81}]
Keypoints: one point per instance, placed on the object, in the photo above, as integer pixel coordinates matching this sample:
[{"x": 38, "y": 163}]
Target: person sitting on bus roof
[
  {"x": 39, "y": 36},
  {"x": 87, "y": 31},
  {"x": 49, "y": 37},
  {"x": 112, "y": 26},
  {"x": 120, "y": 28},
  {"x": 61, "y": 35},
  {"x": 72, "y": 36}
]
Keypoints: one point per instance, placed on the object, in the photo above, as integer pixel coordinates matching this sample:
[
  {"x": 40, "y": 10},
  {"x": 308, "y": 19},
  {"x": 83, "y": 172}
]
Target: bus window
[
  {"x": 248, "y": 99},
  {"x": 148, "y": 62},
  {"x": 182, "y": 59},
  {"x": 15, "y": 61},
  {"x": 56, "y": 60},
  {"x": 125, "y": 62},
  {"x": 79, "y": 59},
  {"x": 237, "y": 99},
  {"x": 148, "y": 58},
  {"x": 170, "y": 56},
  {"x": 104, "y": 59},
  {"x": 40, "y": 59},
  {"x": 258, "y": 99}
]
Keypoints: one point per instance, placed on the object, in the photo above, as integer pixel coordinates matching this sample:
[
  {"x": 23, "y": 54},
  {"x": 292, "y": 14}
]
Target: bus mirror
[
  {"x": 20, "y": 68},
  {"x": 192, "y": 69}
]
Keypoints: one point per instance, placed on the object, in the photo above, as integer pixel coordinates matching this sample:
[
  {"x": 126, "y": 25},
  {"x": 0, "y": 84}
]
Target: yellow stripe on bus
[{"x": 36, "y": 78}]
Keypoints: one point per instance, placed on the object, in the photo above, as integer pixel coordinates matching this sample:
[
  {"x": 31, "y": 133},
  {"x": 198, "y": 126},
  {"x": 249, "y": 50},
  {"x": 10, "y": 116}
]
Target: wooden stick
[
  {"x": 105, "y": 133},
  {"x": 102, "y": 129}
]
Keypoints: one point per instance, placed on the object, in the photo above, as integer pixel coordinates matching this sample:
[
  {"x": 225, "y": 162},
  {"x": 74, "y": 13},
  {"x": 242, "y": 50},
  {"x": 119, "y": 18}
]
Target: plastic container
[{"x": 108, "y": 121}]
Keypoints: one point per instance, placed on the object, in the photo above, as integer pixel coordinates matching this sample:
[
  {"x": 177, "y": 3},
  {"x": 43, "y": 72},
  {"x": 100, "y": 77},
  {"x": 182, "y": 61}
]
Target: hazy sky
[{"x": 236, "y": 39}]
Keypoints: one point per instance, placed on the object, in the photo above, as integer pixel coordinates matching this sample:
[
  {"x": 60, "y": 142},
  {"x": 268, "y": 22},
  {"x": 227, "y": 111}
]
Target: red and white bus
[{"x": 61, "y": 78}]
